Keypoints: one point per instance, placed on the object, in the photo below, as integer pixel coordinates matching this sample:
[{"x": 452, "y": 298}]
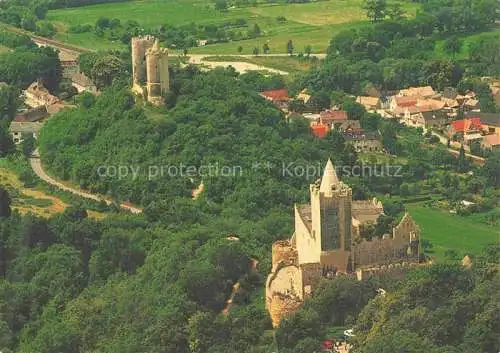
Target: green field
[
  {"x": 449, "y": 231},
  {"x": 306, "y": 24},
  {"x": 466, "y": 39}
]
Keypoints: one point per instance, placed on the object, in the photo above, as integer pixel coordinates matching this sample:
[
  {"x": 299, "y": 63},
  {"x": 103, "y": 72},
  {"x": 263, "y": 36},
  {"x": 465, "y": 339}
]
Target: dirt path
[
  {"x": 236, "y": 288},
  {"x": 36, "y": 165},
  {"x": 240, "y": 66}
]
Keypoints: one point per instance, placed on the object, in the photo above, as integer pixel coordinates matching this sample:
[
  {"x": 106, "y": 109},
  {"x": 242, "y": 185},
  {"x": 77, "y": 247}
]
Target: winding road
[{"x": 36, "y": 165}]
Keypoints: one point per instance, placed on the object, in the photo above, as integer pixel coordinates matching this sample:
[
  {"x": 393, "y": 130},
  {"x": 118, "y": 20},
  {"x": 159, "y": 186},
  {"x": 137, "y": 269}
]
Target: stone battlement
[{"x": 394, "y": 271}]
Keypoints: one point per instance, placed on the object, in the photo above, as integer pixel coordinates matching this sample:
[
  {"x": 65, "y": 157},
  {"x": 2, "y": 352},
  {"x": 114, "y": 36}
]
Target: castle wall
[
  {"x": 280, "y": 306},
  {"x": 311, "y": 274},
  {"x": 380, "y": 251},
  {"x": 367, "y": 210},
  {"x": 406, "y": 230},
  {"x": 337, "y": 260},
  {"x": 308, "y": 245},
  {"x": 284, "y": 292},
  {"x": 164, "y": 74},
  {"x": 284, "y": 252},
  {"x": 391, "y": 271}
]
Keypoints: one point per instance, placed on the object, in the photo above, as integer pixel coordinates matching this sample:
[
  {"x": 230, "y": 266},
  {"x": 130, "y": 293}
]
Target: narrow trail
[
  {"x": 236, "y": 288},
  {"x": 36, "y": 165}
]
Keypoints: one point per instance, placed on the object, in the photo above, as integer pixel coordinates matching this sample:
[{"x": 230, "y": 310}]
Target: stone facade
[
  {"x": 326, "y": 243},
  {"x": 36, "y": 95},
  {"x": 150, "y": 69}
]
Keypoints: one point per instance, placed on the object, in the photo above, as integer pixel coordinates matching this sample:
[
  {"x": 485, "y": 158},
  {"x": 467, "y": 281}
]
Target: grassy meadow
[
  {"x": 448, "y": 231},
  {"x": 33, "y": 200},
  {"x": 306, "y": 24},
  {"x": 284, "y": 63}
]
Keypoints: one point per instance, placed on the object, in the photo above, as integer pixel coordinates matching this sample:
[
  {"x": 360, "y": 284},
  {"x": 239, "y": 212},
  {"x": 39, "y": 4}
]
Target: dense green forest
[
  {"x": 159, "y": 282},
  {"x": 27, "y": 62}
]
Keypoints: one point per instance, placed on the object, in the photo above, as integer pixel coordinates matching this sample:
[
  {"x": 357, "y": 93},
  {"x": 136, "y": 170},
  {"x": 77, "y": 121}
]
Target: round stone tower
[
  {"x": 157, "y": 73},
  {"x": 139, "y": 47}
]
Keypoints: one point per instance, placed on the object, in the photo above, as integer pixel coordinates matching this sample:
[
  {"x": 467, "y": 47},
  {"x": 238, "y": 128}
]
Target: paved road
[
  {"x": 475, "y": 159},
  {"x": 36, "y": 165}
]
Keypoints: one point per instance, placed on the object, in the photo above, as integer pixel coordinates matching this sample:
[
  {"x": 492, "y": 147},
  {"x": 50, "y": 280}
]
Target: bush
[{"x": 80, "y": 29}]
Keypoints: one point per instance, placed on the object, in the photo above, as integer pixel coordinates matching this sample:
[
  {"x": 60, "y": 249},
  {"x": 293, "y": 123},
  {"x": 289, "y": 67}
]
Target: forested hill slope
[
  {"x": 218, "y": 122},
  {"x": 440, "y": 308},
  {"x": 160, "y": 284}
]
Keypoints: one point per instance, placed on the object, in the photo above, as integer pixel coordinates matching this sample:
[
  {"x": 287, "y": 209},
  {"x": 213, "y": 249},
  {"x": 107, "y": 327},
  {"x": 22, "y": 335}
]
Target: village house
[
  {"x": 330, "y": 117},
  {"x": 471, "y": 105},
  {"x": 37, "y": 95},
  {"x": 19, "y": 130},
  {"x": 489, "y": 121},
  {"x": 365, "y": 142},
  {"x": 491, "y": 142},
  {"x": 424, "y": 92},
  {"x": 466, "y": 130},
  {"x": 329, "y": 120},
  {"x": 32, "y": 115},
  {"x": 399, "y": 104},
  {"x": 303, "y": 96},
  {"x": 348, "y": 127},
  {"x": 427, "y": 119},
  {"x": 319, "y": 129},
  {"x": 83, "y": 83},
  {"x": 278, "y": 97},
  {"x": 370, "y": 103}
]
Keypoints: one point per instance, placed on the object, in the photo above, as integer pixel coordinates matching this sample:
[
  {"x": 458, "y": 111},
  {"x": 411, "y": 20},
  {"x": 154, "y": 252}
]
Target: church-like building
[{"x": 327, "y": 242}]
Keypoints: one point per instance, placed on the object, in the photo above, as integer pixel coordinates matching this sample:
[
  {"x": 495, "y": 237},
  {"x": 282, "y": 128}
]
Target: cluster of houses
[
  {"x": 456, "y": 116},
  {"x": 330, "y": 119},
  {"x": 40, "y": 104}
]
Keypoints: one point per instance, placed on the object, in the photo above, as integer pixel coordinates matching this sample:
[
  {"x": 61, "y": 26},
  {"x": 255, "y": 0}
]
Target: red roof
[
  {"x": 328, "y": 116},
  {"x": 328, "y": 344},
  {"x": 319, "y": 130},
  {"x": 465, "y": 125},
  {"x": 406, "y": 101},
  {"x": 277, "y": 94}
]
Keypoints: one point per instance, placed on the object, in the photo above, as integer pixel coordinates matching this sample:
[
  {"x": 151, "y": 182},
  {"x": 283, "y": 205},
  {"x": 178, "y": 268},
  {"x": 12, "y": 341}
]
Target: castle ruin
[
  {"x": 327, "y": 242},
  {"x": 149, "y": 69}
]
